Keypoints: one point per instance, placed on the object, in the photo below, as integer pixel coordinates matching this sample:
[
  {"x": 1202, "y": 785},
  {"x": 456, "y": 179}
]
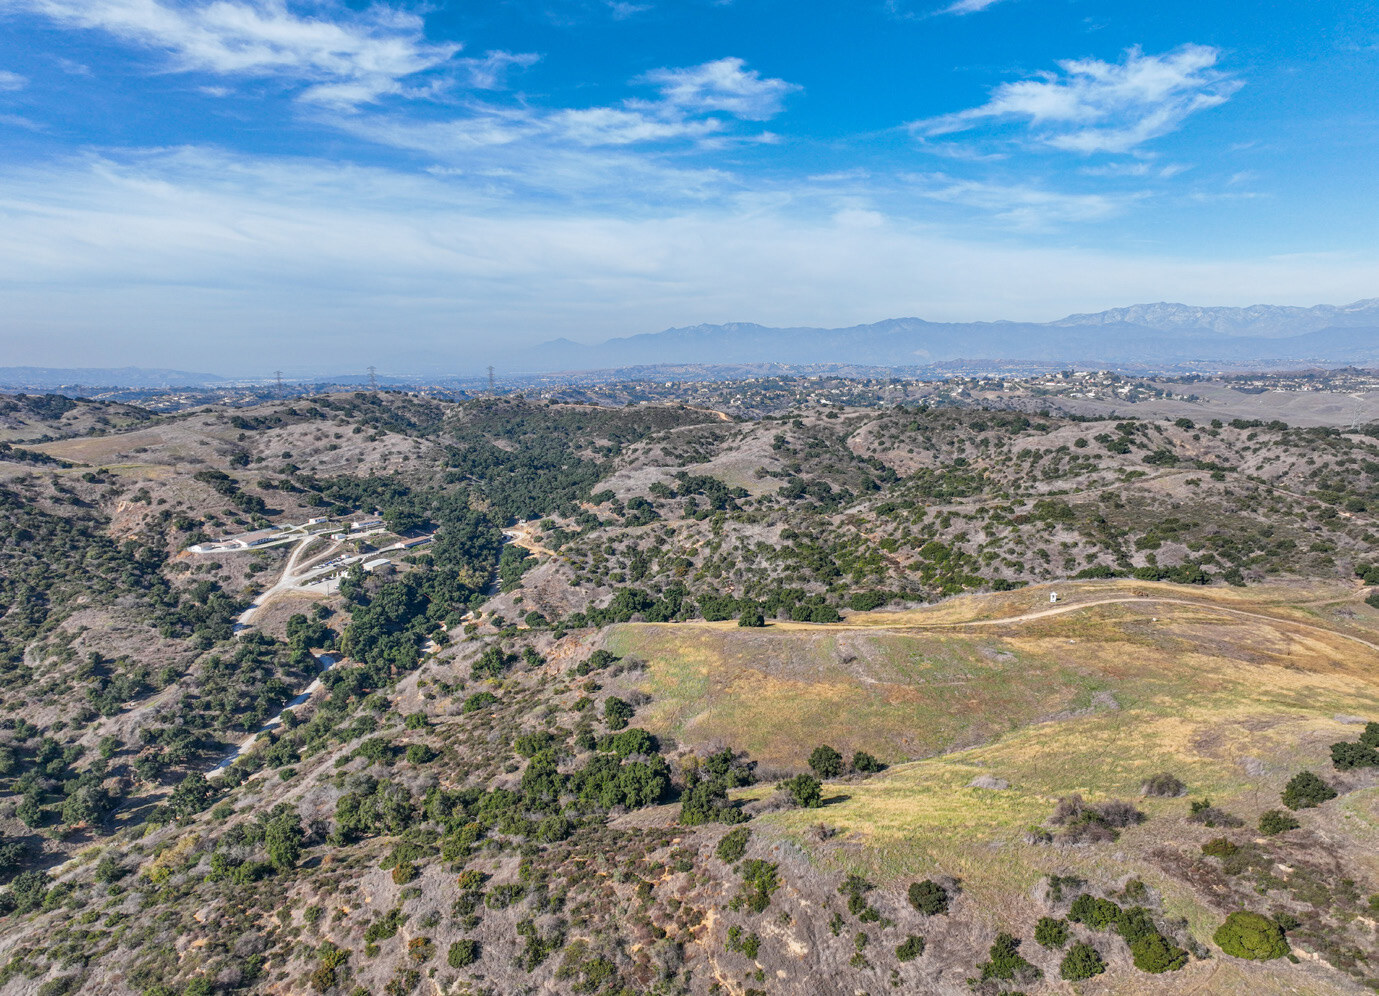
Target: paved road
[{"x": 288, "y": 579}]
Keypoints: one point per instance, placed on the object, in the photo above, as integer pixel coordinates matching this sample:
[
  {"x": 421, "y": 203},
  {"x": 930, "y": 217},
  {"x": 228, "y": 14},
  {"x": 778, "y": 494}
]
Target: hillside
[{"x": 539, "y": 690}]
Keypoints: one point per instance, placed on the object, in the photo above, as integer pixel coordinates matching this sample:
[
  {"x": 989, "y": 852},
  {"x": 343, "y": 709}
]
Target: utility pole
[
  {"x": 491, "y": 389},
  {"x": 373, "y": 379},
  {"x": 279, "y": 375}
]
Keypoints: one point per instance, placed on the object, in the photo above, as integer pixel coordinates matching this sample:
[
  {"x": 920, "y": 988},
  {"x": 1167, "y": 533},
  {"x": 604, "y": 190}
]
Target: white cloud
[
  {"x": 1095, "y": 106},
  {"x": 1023, "y": 206},
  {"x": 618, "y": 126},
  {"x": 969, "y": 6},
  {"x": 622, "y": 10},
  {"x": 348, "y": 57},
  {"x": 696, "y": 105},
  {"x": 304, "y": 262},
  {"x": 721, "y": 85},
  {"x": 12, "y": 81},
  {"x": 490, "y": 71}
]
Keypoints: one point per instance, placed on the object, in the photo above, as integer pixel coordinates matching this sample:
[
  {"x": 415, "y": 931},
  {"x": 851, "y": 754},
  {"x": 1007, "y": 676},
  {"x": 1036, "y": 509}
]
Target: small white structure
[{"x": 1053, "y": 597}]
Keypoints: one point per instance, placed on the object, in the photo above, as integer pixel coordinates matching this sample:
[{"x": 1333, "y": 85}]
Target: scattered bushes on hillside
[
  {"x": 910, "y": 949},
  {"x": 1360, "y": 754},
  {"x": 1085, "y": 823},
  {"x": 1081, "y": 962},
  {"x": 1306, "y": 791},
  {"x": 1220, "y": 847},
  {"x": 1156, "y": 954},
  {"x": 1093, "y": 912},
  {"x": 929, "y": 897},
  {"x": 1275, "y": 821},
  {"x": 463, "y": 953},
  {"x": 1164, "y": 786},
  {"x": 1051, "y": 932},
  {"x": 1203, "y": 812},
  {"x": 617, "y": 712},
  {"x": 866, "y": 764},
  {"x": 805, "y": 790},
  {"x": 705, "y": 796},
  {"x": 759, "y": 880},
  {"x": 1252, "y": 936},
  {"x": 733, "y": 845},
  {"x": 1006, "y": 962},
  {"x": 826, "y": 762}
]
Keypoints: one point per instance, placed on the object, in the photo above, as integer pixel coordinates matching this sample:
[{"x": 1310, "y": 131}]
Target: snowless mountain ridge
[{"x": 1257, "y": 319}]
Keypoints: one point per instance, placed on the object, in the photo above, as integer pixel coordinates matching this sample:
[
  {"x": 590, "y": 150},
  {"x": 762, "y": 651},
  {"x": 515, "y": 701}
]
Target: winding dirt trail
[
  {"x": 1157, "y": 599},
  {"x": 1126, "y": 600}
]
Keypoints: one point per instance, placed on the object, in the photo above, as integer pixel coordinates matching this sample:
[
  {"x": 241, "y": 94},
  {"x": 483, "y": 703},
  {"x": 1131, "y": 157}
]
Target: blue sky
[{"x": 244, "y": 185}]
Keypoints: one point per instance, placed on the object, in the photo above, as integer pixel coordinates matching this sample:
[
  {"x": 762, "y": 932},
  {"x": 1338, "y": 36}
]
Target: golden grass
[{"x": 1232, "y": 691}]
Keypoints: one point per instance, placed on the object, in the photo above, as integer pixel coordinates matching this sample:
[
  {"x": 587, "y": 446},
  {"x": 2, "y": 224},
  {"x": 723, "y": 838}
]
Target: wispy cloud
[
  {"x": 1095, "y": 106},
  {"x": 622, "y": 10},
  {"x": 969, "y": 6},
  {"x": 12, "y": 81},
  {"x": 1022, "y": 206},
  {"x": 320, "y": 263},
  {"x": 721, "y": 85},
  {"x": 343, "y": 56},
  {"x": 699, "y": 105}
]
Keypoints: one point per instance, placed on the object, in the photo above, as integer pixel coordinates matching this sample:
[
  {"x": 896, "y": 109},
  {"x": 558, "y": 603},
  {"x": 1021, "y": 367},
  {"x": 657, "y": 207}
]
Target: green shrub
[
  {"x": 1135, "y": 923},
  {"x": 463, "y": 953},
  {"x": 1155, "y": 954},
  {"x": 616, "y": 713},
  {"x": 1081, "y": 962},
  {"x": 929, "y": 898},
  {"x": 1006, "y": 962},
  {"x": 805, "y": 790},
  {"x": 826, "y": 762},
  {"x": 910, "y": 949},
  {"x": 1165, "y": 786},
  {"x": 759, "y": 880},
  {"x": 1306, "y": 791},
  {"x": 479, "y": 700},
  {"x": 865, "y": 763},
  {"x": 1252, "y": 936},
  {"x": 733, "y": 845},
  {"x": 1051, "y": 932},
  {"x": 1095, "y": 913},
  {"x": 1276, "y": 821},
  {"x": 420, "y": 754},
  {"x": 1219, "y": 847},
  {"x": 1348, "y": 756}
]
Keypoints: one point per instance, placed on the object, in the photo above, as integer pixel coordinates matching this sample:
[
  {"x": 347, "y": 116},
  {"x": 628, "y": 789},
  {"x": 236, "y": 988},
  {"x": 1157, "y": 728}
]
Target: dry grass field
[{"x": 1233, "y": 691}]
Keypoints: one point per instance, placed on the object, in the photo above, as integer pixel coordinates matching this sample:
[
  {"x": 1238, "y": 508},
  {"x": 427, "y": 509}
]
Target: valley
[{"x": 921, "y": 698}]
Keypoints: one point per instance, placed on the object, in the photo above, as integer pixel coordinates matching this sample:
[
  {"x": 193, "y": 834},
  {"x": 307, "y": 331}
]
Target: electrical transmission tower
[
  {"x": 278, "y": 374},
  {"x": 373, "y": 379},
  {"x": 491, "y": 389}
]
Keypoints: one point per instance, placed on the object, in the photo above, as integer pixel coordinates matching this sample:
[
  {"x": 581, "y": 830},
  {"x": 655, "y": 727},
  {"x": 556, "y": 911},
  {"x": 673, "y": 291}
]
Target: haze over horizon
[{"x": 251, "y": 184}]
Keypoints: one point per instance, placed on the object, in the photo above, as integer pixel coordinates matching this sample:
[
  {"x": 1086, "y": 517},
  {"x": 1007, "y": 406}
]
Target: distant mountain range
[
  {"x": 52, "y": 378},
  {"x": 1154, "y": 336},
  {"x": 1146, "y": 334}
]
